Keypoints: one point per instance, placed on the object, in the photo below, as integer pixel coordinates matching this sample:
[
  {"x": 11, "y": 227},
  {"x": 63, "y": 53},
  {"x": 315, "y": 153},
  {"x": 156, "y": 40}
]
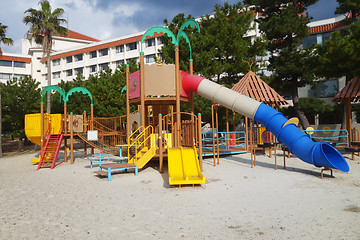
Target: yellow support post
[
  {"x": 200, "y": 143},
  {"x": 161, "y": 157}
]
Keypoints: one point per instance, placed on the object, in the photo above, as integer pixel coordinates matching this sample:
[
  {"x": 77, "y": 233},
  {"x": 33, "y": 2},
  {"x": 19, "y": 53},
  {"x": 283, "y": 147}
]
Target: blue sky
[{"x": 105, "y": 19}]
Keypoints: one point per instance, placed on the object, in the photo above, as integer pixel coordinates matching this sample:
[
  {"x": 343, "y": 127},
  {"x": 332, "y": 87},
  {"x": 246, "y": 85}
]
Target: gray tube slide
[{"x": 319, "y": 154}]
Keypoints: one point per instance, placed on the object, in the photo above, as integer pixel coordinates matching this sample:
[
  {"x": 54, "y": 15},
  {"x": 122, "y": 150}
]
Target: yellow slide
[
  {"x": 184, "y": 166},
  {"x": 33, "y": 127}
]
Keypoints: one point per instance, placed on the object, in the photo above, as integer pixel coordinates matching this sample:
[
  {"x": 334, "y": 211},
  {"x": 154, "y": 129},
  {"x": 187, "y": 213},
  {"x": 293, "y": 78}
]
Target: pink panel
[
  {"x": 134, "y": 89},
  {"x": 183, "y": 93}
]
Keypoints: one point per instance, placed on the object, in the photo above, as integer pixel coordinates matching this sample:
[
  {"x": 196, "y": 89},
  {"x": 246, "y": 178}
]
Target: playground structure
[
  {"x": 348, "y": 95},
  {"x": 152, "y": 132},
  {"x": 159, "y": 129},
  {"x": 49, "y": 130}
]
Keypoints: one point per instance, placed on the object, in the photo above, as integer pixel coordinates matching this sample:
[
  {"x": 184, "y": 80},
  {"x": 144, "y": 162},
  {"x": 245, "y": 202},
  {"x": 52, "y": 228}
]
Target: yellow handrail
[
  {"x": 137, "y": 130},
  {"x": 136, "y": 143}
]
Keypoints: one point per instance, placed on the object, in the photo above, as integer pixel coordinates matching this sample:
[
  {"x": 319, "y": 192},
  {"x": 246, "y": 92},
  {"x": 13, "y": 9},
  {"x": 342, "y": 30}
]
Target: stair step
[{"x": 49, "y": 156}]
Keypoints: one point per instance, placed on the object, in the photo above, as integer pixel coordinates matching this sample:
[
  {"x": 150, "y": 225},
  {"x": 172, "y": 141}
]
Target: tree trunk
[
  {"x": 48, "y": 103},
  {"x": 20, "y": 146},
  {"x": 299, "y": 113}
]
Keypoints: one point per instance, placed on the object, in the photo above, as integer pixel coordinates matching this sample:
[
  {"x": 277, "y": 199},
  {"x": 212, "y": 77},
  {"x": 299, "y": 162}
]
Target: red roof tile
[
  {"x": 100, "y": 46},
  {"x": 17, "y": 59},
  {"x": 76, "y": 35},
  {"x": 252, "y": 86},
  {"x": 326, "y": 27},
  {"x": 351, "y": 90}
]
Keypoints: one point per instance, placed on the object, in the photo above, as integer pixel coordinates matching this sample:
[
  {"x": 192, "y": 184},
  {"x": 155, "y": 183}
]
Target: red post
[{"x": 71, "y": 139}]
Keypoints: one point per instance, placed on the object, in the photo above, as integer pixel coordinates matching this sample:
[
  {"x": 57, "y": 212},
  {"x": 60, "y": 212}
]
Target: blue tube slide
[
  {"x": 316, "y": 153},
  {"x": 319, "y": 154}
]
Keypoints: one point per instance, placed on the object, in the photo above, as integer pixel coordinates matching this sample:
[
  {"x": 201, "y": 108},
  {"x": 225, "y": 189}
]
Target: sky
[{"x": 106, "y": 19}]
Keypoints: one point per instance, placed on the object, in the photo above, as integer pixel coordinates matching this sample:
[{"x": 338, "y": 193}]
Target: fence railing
[
  {"x": 227, "y": 140},
  {"x": 336, "y": 136}
]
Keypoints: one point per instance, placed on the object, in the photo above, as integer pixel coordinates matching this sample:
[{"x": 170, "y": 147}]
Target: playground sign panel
[{"x": 92, "y": 135}]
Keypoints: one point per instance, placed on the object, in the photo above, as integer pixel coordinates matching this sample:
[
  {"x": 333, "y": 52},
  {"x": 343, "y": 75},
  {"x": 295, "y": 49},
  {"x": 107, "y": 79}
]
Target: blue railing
[
  {"x": 231, "y": 141},
  {"x": 337, "y": 136}
]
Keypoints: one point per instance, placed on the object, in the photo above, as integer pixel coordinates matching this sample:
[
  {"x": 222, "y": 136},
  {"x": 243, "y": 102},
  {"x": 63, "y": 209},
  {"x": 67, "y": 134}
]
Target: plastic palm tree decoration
[
  {"x": 45, "y": 23},
  {"x": 3, "y": 38}
]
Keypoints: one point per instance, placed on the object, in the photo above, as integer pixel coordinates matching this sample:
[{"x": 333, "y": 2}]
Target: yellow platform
[
  {"x": 33, "y": 127},
  {"x": 184, "y": 166}
]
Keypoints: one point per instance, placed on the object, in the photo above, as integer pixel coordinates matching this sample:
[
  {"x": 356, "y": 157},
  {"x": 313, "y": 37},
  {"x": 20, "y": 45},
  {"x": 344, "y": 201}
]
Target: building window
[
  {"x": 79, "y": 70},
  {"x": 69, "y": 72},
  {"x": 18, "y": 76},
  {"x": 135, "y": 60},
  {"x": 119, "y": 63},
  {"x": 19, "y": 64},
  {"x": 326, "y": 89},
  {"x": 104, "y": 52},
  {"x": 150, "y": 58},
  {"x": 69, "y": 59},
  {"x": 93, "y": 68},
  {"x": 316, "y": 39},
  {"x": 56, "y": 75},
  {"x": 150, "y": 42},
  {"x": 102, "y": 67},
  {"x": 5, "y": 76},
  {"x": 326, "y": 36},
  {"x": 56, "y": 62},
  {"x": 160, "y": 41},
  {"x": 5, "y": 63},
  {"x": 120, "y": 49},
  {"x": 78, "y": 57},
  {"x": 38, "y": 70},
  {"x": 131, "y": 46},
  {"x": 93, "y": 54},
  {"x": 38, "y": 58}
]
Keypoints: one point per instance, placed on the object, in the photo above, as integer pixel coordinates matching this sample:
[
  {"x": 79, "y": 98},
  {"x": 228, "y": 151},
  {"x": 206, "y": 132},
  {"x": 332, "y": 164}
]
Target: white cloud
[{"x": 97, "y": 22}]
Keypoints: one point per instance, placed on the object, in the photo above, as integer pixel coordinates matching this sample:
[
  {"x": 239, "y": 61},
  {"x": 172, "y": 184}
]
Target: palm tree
[
  {"x": 3, "y": 38},
  {"x": 44, "y": 25},
  {"x": 7, "y": 41}
]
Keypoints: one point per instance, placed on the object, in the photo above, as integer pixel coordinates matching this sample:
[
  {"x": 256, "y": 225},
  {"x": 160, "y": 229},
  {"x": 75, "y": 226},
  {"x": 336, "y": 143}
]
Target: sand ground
[{"x": 237, "y": 202}]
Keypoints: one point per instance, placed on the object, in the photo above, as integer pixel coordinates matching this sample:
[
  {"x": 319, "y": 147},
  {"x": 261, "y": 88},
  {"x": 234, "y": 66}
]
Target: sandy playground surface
[{"x": 237, "y": 202}]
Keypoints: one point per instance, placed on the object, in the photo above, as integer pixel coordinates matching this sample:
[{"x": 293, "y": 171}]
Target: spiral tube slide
[{"x": 319, "y": 154}]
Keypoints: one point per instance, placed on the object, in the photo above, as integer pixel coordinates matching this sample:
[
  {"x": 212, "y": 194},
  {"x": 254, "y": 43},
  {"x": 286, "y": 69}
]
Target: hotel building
[{"x": 77, "y": 53}]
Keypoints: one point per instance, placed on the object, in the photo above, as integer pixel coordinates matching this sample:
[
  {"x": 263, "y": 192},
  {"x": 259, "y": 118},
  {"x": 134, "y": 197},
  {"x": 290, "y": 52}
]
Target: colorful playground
[{"x": 159, "y": 131}]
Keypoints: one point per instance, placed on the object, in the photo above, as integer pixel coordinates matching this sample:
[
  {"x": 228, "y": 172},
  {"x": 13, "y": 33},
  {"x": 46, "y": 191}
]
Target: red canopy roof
[
  {"x": 254, "y": 87},
  {"x": 350, "y": 91}
]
